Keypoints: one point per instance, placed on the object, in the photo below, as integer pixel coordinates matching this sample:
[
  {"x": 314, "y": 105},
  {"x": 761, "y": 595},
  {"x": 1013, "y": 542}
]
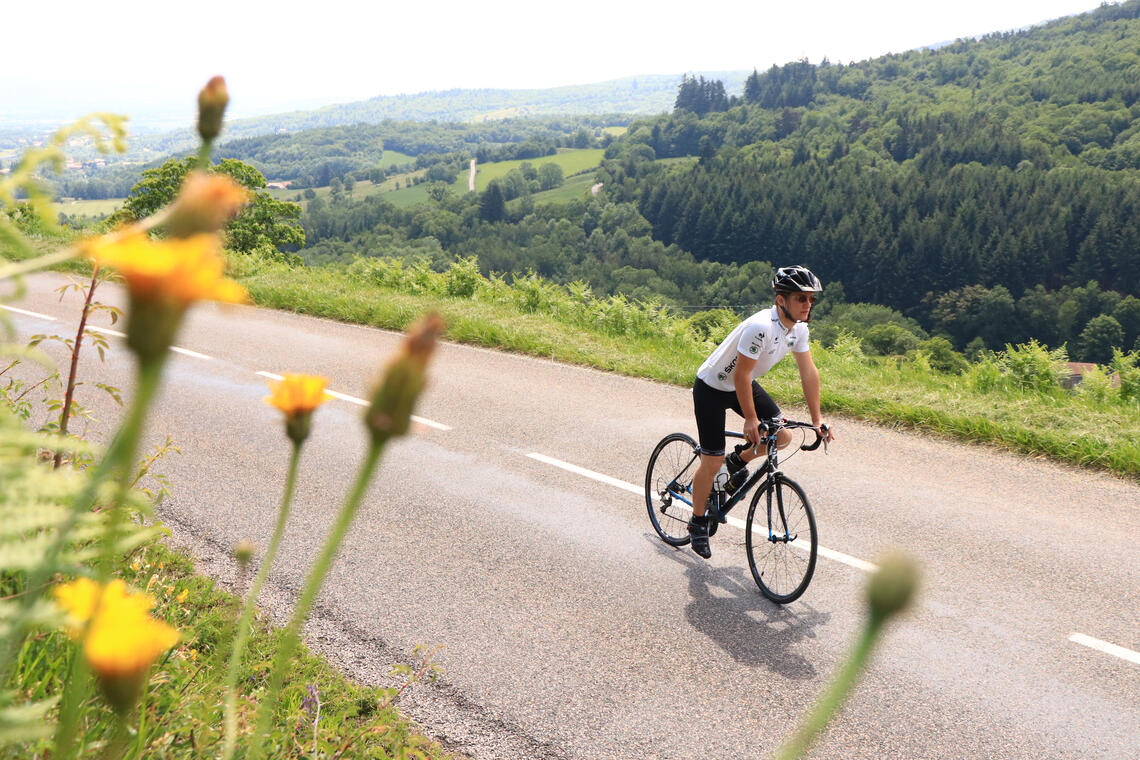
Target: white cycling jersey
[{"x": 761, "y": 337}]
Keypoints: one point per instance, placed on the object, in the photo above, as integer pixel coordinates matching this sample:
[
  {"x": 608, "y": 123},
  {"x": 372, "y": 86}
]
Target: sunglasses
[{"x": 803, "y": 298}]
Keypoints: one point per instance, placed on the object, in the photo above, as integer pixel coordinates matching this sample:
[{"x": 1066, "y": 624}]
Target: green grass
[
  {"x": 573, "y": 188},
  {"x": 89, "y": 208},
  {"x": 395, "y": 158},
  {"x": 181, "y": 712},
  {"x": 365, "y": 188},
  {"x": 571, "y": 161}
]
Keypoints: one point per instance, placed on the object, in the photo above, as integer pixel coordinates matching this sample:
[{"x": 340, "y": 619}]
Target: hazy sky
[{"x": 146, "y": 57}]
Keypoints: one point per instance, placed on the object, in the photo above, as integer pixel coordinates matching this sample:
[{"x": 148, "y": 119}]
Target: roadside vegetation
[
  {"x": 1013, "y": 398},
  {"x": 110, "y": 646}
]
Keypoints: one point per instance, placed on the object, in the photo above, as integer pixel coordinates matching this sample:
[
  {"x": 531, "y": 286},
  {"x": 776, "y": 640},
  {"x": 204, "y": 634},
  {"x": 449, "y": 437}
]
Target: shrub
[
  {"x": 1033, "y": 367},
  {"x": 462, "y": 277},
  {"x": 940, "y": 355},
  {"x": 890, "y": 338}
]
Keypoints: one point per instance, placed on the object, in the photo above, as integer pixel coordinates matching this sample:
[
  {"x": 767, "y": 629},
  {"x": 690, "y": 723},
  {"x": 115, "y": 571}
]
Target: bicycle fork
[{"x": 773, "y": 536}]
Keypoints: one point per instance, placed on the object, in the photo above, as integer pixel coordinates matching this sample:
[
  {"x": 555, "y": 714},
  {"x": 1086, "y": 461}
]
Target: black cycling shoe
[{"x": 699, "y": 533}]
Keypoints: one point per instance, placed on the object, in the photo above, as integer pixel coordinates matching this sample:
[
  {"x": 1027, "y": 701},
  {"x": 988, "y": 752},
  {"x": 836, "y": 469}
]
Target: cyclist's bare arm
[{"x": 809, "y": 381}]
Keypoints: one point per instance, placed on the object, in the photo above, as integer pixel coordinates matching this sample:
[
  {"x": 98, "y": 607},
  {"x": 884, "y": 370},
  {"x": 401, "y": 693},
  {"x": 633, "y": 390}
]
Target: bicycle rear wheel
[
  {"x": 668, "y": 487},
  {"x": 780, "y": 539}
]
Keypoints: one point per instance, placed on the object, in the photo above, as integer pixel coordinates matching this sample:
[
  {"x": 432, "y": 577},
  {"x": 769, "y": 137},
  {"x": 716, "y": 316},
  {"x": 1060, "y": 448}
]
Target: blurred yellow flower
[
  {"x": 83, "y": 598},
  {"x": 176, "y": 271},
  {"x": 120, "y": 638},
  {"x": 125, "y": 645},
  {"x": 298, "y": 394},
  {"x": 182, "y": 596},
  {"x": 205, "y": 204}
]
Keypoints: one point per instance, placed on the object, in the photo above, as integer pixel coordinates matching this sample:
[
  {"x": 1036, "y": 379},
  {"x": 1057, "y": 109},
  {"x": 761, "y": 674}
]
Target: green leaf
[{"x": 26, "y": 722}]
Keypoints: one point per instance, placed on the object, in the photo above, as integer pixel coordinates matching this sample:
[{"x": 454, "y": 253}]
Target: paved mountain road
[{"x": 568, "y": 630}]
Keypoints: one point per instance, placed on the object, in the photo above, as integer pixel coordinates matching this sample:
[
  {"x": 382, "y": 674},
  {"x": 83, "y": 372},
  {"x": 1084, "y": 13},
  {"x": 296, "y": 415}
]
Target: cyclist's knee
[{"x": 783, "y": 438}]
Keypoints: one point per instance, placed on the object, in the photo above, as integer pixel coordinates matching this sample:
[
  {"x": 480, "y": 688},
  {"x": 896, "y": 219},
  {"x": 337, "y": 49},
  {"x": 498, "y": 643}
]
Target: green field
[
  {"x": 573, "y": 189},
  {"x": 395, "y": 158},
  {"x": 571, "y": 161},
  {"x": 88, "y": 208}
]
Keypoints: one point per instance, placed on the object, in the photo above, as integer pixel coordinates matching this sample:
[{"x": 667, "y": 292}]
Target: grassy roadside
[
  {"x": 1101, "y": 434},
  {"x": 180, "y": 710}
]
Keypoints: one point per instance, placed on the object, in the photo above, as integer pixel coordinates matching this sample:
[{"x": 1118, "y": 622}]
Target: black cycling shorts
[{"x": 709, "y": 405}]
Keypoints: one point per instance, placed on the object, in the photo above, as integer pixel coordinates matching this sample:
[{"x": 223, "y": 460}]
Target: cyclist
[{"x": 727, "y": 380}]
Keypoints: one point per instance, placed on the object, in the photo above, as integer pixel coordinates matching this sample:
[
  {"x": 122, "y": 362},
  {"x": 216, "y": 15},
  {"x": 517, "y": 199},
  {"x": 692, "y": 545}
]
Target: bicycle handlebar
[{"x": 784, "y": 424}]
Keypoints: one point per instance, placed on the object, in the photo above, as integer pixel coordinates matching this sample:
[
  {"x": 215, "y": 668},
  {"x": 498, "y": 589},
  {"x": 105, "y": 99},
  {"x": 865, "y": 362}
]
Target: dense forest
[{"x": 986, "y": 191}]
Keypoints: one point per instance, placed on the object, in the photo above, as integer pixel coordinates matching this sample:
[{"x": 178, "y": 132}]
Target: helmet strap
[{"x": 787, "y": 313}]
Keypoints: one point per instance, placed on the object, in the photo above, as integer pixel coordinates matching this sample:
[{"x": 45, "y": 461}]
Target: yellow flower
[
  {"x": 163, "y": 278},
  {"x": 125, "y": 645},
  {"x": 120, "y": 638},
  {"x": 83, "y": 598},
  {"x": 176, "y": 271},
  {"x": 182, "y": 596},
  {"x": 297, "y": 396},
  {"x": 205, "y": 203}
]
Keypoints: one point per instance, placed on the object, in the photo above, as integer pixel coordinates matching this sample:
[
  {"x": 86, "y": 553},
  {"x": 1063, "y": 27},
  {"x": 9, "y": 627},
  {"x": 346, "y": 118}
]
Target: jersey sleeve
[
  {"x": 802, "y": 343},
  {"x": 752, "y": 340}
]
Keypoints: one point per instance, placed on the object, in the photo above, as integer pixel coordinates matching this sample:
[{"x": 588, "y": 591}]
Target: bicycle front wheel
[
  {"x": 780, "y": 539},
  {"x": 668, "y": 487}
]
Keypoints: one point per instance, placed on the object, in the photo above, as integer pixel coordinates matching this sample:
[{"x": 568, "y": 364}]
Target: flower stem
[
  {"x": 204, "y": 155},
  {"x": 119, "y": 456},
  {"x": 242, "y": 635},
  {"x": 150, "y": 377},
  {"x": 312, "y": 587},
  {"x": 836, "y": 694}
]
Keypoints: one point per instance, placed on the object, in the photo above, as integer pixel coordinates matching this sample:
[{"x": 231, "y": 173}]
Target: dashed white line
[
  {"x": 27, "y": 313},
  {"x": 188, "y": 352},
  {"x": 823, "y": 551},
  {"x": 175, "y": 349},
  {"x": 361, "y": 402},
  {"x": 106, "y": 331},
  {"x": 1104, "y": 646},
  {"x": 587, "y": 473}
]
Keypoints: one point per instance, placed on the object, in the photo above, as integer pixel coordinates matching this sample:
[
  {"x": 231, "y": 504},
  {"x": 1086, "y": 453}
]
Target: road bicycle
[{"x": 781, "y": 541}]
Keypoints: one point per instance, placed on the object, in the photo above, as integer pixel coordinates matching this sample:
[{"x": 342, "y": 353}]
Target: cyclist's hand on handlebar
[
  {"x": 752, "y": 431},
  {"x": 825, "y": 431}
]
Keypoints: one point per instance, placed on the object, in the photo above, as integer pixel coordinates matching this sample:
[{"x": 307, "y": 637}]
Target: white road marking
[
  {"x": 1103, "y": 646},
  {"x": 587, "y": 473},
  {"x": 27, "y": 313},
  {"x": 175, "y": 349},
  {"x": 823, "y": 551},
  {"x": 188, "y": 352},
  {"x": 361, "y": 402},
  {"x": 106, "y": 330}
]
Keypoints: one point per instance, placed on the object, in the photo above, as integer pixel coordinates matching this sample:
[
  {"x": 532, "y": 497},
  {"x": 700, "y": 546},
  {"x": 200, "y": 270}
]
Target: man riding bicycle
[{"x": 727, "y": 380}]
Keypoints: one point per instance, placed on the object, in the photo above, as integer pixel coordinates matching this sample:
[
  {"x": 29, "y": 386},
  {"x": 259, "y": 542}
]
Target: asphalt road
[{"x": 568, "y": 630}]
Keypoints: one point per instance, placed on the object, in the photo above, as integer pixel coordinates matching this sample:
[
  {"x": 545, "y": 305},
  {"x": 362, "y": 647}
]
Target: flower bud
[
  {"x": 393, "y": 399},
  {"x": 892, "y": 587},
  {"x": 212, "y": 102},
  {"x": 243, "y": 552},
  {"x": 205, "y": 204}
]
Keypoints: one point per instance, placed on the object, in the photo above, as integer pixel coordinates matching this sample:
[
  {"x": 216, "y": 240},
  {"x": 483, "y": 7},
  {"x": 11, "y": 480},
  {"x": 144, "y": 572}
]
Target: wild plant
[{"x": 64, "y": 531}]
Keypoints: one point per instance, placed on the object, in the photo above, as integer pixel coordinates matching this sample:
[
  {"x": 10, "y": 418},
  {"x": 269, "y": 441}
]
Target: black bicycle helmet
[{"x": 796, "y": 280}]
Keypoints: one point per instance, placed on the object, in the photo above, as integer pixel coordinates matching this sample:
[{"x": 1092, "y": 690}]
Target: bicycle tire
[
  {"x": 781, "y": 569},
  {"x": 675, "y": 457}
]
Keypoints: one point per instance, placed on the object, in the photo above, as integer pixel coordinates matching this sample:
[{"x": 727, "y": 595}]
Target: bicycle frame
[{"x": 768, "y": 471}]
